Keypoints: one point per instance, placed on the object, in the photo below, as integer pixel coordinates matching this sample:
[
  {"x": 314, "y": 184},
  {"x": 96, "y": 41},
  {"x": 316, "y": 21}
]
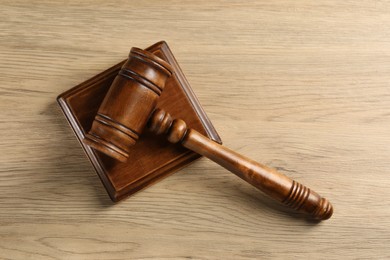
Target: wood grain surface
[{"x": 302, "y": 86}]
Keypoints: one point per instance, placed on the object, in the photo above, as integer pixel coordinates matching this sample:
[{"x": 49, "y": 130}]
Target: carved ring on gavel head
[{"x": 130, "y": 106}]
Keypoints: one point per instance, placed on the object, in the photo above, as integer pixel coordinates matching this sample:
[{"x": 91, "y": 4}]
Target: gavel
[{"x": 130, "y": 106}]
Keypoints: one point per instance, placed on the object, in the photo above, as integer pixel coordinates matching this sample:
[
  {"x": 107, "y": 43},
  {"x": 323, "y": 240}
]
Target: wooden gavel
[{"x": 130, "y": 106}]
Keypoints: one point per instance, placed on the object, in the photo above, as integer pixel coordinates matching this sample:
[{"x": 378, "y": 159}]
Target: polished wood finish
[
  {"x": 268, "y": 180},
  {"x": 128, "y": 106},
  {"x": 315, "y": 106},
  {"x": 152, "y": 158}
]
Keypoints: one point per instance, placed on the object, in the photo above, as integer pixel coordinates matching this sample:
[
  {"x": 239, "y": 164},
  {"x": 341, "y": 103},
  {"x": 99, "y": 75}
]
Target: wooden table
[{"x": 302, "y": 86}]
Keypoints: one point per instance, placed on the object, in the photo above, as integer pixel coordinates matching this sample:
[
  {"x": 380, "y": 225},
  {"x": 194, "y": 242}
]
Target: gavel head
[{"x": 128, "y": 104}]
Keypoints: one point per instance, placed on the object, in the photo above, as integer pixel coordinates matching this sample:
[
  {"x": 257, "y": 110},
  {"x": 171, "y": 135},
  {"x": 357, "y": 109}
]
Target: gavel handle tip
[{"x": 324, "y": 210}]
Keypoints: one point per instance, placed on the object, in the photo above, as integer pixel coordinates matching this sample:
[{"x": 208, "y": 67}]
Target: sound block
[{"x": 152, "y": 157}]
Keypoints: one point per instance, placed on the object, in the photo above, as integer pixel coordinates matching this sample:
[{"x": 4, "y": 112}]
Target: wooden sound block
[{"x": 152, "y": 157}]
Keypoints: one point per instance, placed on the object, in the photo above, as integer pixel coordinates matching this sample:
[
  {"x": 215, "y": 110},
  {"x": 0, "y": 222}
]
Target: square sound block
[{"x": 152, "y": 157}]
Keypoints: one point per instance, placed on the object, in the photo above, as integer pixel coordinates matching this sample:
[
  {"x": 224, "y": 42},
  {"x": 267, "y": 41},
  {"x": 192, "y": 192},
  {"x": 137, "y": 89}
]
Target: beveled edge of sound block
[{"x": 161, "y": 171}]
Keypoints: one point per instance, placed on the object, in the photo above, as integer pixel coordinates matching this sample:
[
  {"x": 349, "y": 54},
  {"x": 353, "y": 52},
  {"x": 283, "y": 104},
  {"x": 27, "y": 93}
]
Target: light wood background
[{"x": 303, "y": 86}]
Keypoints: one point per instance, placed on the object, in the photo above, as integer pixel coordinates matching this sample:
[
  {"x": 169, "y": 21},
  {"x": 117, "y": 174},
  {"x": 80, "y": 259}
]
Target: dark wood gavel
[{"x": 130, "y": 106}]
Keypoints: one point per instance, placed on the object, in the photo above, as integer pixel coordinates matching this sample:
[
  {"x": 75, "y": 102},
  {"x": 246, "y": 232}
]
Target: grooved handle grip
[
  {"x": 271, "y": 182},
  {"x": 302, "y": 198}
]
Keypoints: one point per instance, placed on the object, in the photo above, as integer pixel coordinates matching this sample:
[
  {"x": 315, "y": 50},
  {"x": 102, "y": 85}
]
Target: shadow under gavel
[{"x": 130, "y": 106}]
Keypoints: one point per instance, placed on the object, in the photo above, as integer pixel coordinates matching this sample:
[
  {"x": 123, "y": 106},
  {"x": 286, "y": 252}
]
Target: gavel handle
[{"x": 271, "y": 182}]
